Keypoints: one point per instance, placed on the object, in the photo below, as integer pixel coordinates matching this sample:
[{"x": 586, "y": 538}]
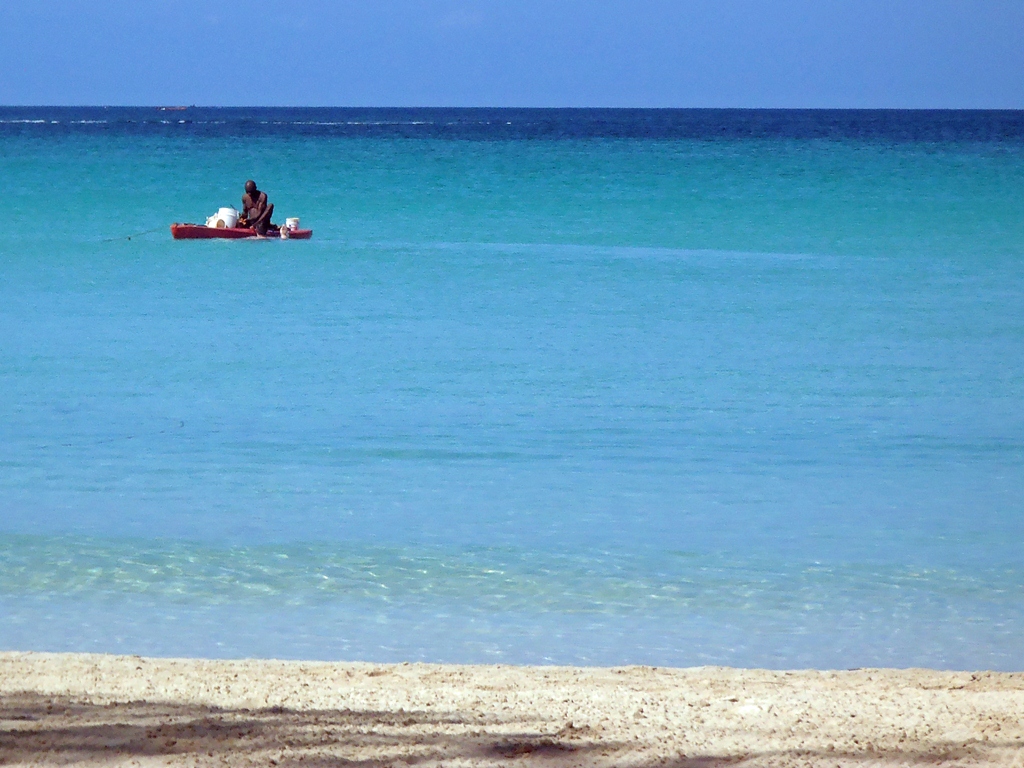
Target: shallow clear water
[{"x": 668, "y": 388}]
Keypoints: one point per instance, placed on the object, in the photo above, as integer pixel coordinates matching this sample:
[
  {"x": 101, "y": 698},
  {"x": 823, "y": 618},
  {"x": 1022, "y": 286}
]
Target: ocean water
[{"x": 582, "y": 386}]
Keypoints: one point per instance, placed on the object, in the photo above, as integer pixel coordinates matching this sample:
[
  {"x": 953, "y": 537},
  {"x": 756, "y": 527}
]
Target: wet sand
[{"x": 61, "y": 709}]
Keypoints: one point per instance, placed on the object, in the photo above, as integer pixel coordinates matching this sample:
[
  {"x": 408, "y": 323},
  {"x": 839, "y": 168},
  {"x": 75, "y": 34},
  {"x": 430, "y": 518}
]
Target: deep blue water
[{"x": 581, "y": 386}]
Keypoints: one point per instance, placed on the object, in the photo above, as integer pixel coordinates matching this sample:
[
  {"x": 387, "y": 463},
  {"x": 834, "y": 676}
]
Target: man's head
[{"x": 250, "y": 187}]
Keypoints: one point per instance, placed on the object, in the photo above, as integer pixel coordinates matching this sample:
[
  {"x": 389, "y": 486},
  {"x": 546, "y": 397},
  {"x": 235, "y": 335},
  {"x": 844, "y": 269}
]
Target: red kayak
[{"x": 203, "y": 232}]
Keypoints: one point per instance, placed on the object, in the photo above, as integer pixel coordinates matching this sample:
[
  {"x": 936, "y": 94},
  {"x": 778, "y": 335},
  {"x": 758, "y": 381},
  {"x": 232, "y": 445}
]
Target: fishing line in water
[
  {"x": 115, "y": 439},
  {"x": 129, "y": 237}
]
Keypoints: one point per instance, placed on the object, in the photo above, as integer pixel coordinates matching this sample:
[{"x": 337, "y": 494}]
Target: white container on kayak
[
  {"x": 229, "y": 216},
  {"x": 224, "y": 218},
  {"x": 292, "y": 223}
]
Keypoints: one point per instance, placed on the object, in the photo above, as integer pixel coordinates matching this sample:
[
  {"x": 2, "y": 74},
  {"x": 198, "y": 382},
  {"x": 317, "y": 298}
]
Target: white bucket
[
  {"x": 229, "y": 216},
  {"x": 225, "y": 217},
  {"x": 292, "y": 223}
]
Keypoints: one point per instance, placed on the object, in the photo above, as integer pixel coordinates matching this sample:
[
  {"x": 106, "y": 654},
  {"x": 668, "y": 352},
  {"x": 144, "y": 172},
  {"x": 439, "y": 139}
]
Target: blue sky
[{"x": 642, "y": 53}]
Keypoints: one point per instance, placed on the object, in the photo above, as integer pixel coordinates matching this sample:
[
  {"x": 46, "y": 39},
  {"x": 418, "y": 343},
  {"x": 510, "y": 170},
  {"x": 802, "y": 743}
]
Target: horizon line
[{"x": 184, "y": 107}]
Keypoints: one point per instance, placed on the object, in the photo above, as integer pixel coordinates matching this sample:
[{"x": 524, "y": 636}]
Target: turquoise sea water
[{"x": 572, "y": 387}]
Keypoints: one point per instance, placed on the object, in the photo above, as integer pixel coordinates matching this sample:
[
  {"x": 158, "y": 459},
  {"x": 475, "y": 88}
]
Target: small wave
[
  {"x": 307, "y": 122},
  {"x": 339, "y": 123},
  {"x": 493, "y": 579}
]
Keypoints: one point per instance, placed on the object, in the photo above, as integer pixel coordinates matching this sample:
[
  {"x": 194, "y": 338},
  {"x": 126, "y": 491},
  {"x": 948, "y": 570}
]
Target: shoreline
[{"x": 95, "y": 709}]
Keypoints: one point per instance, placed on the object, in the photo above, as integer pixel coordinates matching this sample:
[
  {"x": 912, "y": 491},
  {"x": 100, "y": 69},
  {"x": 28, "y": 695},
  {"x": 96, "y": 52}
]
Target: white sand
[{"x": 87, "y": 710}]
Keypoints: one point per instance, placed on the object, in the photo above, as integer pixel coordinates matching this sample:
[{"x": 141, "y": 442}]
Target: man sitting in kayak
[{"x": 255, "y": 208}]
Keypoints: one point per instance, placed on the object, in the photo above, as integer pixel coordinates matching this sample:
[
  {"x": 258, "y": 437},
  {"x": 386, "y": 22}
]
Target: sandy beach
[{"x": 60, "y": 709}]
